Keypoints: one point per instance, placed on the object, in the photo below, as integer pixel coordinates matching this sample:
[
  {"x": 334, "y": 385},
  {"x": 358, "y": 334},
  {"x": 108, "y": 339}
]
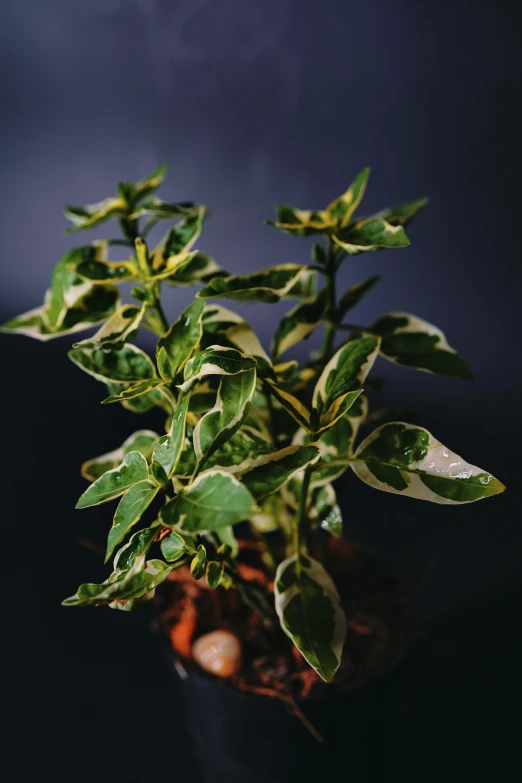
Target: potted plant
[{"x": 233, "y": 509}]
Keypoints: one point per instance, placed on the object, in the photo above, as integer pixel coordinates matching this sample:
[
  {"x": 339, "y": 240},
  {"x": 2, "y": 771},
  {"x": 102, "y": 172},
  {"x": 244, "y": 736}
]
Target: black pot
[{"x": 242, "y": 737}]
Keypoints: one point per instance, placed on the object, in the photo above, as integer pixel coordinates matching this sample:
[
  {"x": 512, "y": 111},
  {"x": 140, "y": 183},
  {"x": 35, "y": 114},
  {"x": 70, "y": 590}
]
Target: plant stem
[
  {"x": 329, "y": 272},
  {"x": 301, "y": 511},
  {"x": 330, "y": 326}
]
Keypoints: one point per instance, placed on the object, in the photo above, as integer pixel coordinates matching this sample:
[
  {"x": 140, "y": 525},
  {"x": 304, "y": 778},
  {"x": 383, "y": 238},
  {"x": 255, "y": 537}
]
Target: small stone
[{"x": 218, "y": 653}]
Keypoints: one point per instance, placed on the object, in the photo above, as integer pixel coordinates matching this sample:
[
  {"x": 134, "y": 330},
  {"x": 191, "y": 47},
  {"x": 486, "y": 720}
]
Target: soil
[{"x": 374, "y": 601}]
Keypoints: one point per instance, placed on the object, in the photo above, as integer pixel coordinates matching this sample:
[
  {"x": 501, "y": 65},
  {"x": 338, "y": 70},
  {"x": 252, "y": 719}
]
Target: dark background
[{"x": 252, "y": 102}]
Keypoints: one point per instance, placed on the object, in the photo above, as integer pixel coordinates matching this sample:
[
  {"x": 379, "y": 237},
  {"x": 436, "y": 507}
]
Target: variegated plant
[{"x": 248, "y": 438}]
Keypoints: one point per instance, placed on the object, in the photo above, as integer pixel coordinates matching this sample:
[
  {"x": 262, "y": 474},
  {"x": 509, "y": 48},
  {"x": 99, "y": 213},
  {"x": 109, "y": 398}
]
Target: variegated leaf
[
  {"x": 340, "y": 382},
  {"x": 176, "y": 347},
  {"x": 269, "y": 285},
  {"x": 178, "y": 241},
  {"x": 197, "y": 268},
  {"x": 215, "y": 573},
  {"x": 137, "y": 547},
  {"x": 407, "y": 460},
  {"x": 268, "y": 473},
  {"x": 66, "y": 287},
  {"x": 98, "y": 272},
  {"x": 115, "y": 482},
  {"x": 291, "y": 404},
  {"x": 214, "y": 499},
  {"x": 121, "y": 327},
  {"x": 215, "y": 360},
  {"x": 302, "y": 222},
  {"x": 324, "y": 511},
  {"x": 233, "y": 402},
  {"x": 158, "y": 209},
  {"x": 126, "y": 366},
  {"x": 353, "y": 295},
  {"x": 403, "y": 214},
  {"x": 240, "y": 451},
  {"x": 139, "y": 581},
  {"x": 92, "y": 215},
  {"x": 337, "y": 442},
  {"x": 412, "y": 342},
  {"x": 299, "y": 323},
  {"x": 168, "y": 449},
  {"x": 310, "y": 612},
  {"x": 198, "y": 562},
  {"x": 142, "y": 441},
  {"x": 342, "y": 209},
  {"x": 234, "y": 332},
  {"x": 130, "y": 509},
  {"x": 370, "y": 234},
  {"x": 148, "y": 185},
  {"x": 137, "y": 390},
  {"x": 95, "y": 306}
]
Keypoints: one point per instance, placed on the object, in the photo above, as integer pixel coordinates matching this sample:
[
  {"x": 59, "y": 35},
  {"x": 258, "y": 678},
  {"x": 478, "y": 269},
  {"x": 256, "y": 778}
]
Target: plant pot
[{"x": 241, "y": 737}]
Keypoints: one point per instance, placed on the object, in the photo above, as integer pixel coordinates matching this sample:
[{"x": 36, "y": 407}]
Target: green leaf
[
  {"x": 340, "y": 383},
  {"x": 174, "y": 546},
  {"x": 302, "y": 222},
  {"x": 132, "y": 505},
  {"x": 215, "y": 360},
  {"x": 353, "y": 295},
  {"x": 121, "y": 327},
  {"x": 342, "y": 209},
  {"x": 198, "y": 562},
  {"x": 291, "y": 404},
  {"x": 239, "y": 451},
  {"x": 233, "y": 402},
  {"x": 95, "y": 306},
  {"x": 214, "y": 499},
  {"x": 407, "y": 460},
  {"x": 137, "y": 546},
  {"x": 127, "y": 365},
  {"x": 310, "y": 612},
  {"x": 136, "y": 390},
  {"x": 168, "y": 449},
  {"x": 370, "y": 234},
  {"x": 269, "y": 285},
  {"x": 215, "y": 573},
  {"x": 115, "y": 482},
  {"x": 412, "y": 342},
  {"x": 176, "y": 347},
  {"x": 299, "y": 323},
  {"x": 92, "y": 215},
  {"x": 142, "y": 441},
  {"x": 98, "y": 272},
  {"x": 403, "y": 214},
  {"x": 268, "y": 473}
]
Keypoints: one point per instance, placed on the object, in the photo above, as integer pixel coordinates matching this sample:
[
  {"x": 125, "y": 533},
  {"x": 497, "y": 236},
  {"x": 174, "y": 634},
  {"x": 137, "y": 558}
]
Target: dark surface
[{"x": 253, "y": 103}]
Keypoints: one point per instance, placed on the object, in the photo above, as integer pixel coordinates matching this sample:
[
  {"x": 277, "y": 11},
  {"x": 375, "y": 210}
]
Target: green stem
[
  {"x": 330, "y": 327},
  {"x": 301, "y": 511},
  {"x": 329, "y": 272}
]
